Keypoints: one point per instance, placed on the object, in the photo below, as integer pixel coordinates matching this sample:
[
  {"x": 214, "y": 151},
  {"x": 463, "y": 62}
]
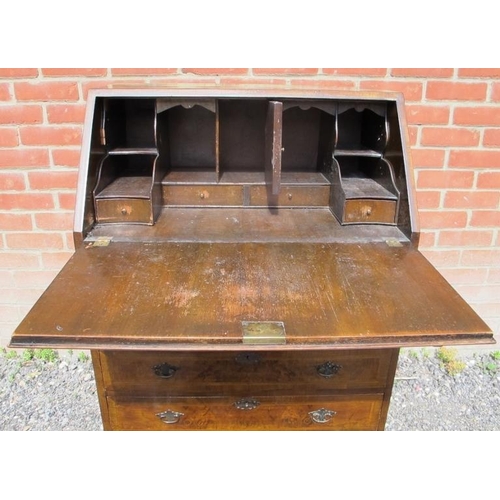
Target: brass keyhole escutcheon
[
  {"x": 165, "y": 370},
  {"x": 328, "y": 369},
  {"x": 246, "y": 404},
  {"x": 247, "y": 358}
]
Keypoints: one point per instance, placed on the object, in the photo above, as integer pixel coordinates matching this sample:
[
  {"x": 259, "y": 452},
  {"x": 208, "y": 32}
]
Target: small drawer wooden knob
[
  {"x": 366, "y": 211},
  {"x": 289, "y": 196},
  {"x": 124, "y": 211}
]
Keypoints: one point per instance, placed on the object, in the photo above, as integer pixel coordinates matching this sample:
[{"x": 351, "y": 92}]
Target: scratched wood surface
[
  {"x": 196, "y": 295},
  {"x": 243, "y": 225}
]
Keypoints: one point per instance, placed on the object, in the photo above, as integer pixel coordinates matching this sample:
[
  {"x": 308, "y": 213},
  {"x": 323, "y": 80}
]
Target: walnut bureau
[{"x": 246, "y": 260}]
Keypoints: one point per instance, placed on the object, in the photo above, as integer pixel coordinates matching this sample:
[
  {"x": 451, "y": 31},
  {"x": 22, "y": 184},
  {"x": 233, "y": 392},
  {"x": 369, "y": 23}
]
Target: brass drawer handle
[
  {"x": 322, "y": 416},
  {"x": 170, "y": 416},
  {"x": 165, "y": 370},
  {"x": 328, "y": 369},
  {"x": 246, "y": 404}
]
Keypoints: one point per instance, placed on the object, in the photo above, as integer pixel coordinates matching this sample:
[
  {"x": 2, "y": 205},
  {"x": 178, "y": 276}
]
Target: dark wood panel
[
  {"x": 130, "y": 123},
  {"x": 241, "y": 134},
  {"x": 301, "y": 132},
  {"x": 191, "y": 137},
  {"x": 353, "y": 412},
  {"x": 232, "y": 373},
  {"x": 196, "y": 295},
  {"x": 241, "y": 225},
  {"x": 195, "y": 177}
]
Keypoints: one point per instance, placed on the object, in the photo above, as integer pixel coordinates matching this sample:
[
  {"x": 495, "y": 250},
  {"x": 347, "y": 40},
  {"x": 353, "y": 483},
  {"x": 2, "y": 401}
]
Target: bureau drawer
[
  {"x": 203, "y": 195},
  {"x": 231, "y": 373},
  {"x": 292, "y": 196},
  {"x": 366, "y": 211},
  {"x": 124, "y": 210},
  {"x": 353, "y": 412}
]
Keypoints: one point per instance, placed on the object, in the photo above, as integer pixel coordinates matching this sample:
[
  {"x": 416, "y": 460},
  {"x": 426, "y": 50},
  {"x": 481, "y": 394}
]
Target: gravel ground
[{"x": 41, "y": 395}]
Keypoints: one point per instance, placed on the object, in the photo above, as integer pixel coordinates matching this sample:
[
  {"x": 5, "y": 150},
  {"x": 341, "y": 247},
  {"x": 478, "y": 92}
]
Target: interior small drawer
[
  {"x": 291, "y": 196},
  {"x": 366, "y": 211},
  {"x": 232, "y": 373},
  {"x": 203, "y": 195},
  {"x": 349, "y": 412},
  {"x": 124, "y": 210}
]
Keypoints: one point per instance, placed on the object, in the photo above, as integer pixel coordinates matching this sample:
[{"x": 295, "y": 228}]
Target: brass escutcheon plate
[{"x": 263, "y": 332}]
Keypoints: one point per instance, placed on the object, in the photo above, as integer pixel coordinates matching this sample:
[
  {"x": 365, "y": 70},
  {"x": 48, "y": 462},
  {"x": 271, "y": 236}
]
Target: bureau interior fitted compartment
[
  {"x": 364, "y": 191},
  {"x": 362, "y": 128},
  {"x": 244, "y": 152},
  {"x": 188, "y": 137},
  {"x": 126, "y": 190},
  {"x": 308, "y": 136},
  {"x": 129, "y": 124}
]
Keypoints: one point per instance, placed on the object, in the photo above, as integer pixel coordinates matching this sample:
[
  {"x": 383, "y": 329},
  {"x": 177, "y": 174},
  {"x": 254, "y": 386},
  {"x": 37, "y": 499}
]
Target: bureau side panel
[
  {"x": 388, "y": 388},
  {"x": 101, "y": 389}
]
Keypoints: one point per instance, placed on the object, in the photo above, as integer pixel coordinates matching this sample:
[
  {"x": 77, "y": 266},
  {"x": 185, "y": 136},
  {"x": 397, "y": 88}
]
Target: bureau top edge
[{"x": 243, "y": 93}]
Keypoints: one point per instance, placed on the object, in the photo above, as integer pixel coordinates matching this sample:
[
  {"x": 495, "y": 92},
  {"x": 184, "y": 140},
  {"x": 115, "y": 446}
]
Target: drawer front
[
  {"x": 353, "y": 412},
  {"x": 293, "y": 196},
  {"x": 370, "y": 211},
  {"x": 124, "y": 210},
  {"x": 203, "y": 195},
  {"x": 232, "y": 373}
]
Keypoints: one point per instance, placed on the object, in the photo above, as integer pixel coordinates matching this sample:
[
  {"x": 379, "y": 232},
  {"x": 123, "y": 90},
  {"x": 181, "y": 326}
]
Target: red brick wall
[{"x": 454, "y": 119}]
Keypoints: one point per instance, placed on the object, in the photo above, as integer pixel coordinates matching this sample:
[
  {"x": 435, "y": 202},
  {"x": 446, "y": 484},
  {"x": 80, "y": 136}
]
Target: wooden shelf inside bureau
[{"x": 127, "y": 187}]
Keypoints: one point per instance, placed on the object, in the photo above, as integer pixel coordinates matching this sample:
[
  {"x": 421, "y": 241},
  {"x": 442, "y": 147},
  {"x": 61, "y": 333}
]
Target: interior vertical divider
[
  {"x": 273, "y": 145},
  {"x": 217, "y": 142}
]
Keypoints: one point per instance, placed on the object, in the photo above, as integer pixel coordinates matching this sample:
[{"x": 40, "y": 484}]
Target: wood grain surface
[
  {"x": 196, "y": 295},
  {"x": 234, "y": 373},
  {"x": 361, "y": 412}
]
